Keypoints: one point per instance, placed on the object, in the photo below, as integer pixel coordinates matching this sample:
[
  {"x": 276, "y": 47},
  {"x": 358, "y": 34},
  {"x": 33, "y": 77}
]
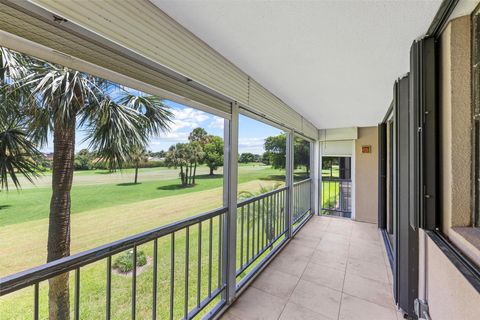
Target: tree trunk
[
  {"x": 182, "y": 176},
  {"x": 136, "y": 172},
  {"x": 211, "y": 171},
  {"x": 194, "y": 172},
  {"x": 191, "y": 173},
  {"x": 186, "y": 174},
  {"x": 59, "y": 219}
]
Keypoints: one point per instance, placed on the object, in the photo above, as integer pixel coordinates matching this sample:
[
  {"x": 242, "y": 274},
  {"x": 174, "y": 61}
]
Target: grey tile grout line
[
  {"x": 344, "y": 275},
  {"x": 300, "y": 278}
]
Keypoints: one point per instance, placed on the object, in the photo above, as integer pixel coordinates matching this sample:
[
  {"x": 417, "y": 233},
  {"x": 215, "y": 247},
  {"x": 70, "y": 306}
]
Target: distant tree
[
  {"x": 84, "y": 160},
  {"x": 158, "y": 154},
  {"x": 198, "y": 138},
  {"x": 138, "y": 155},
  {"x": 195, "y": 155},
  {"x": 214, "y": 153},
  {"x": 266, "y": 158},
  {"x": 176, "y": 158},
  {"x": 301, "y": 155},
  {"x": 199, "y": 135},
  {"x": 276, "y": 147},
  {"x": 246, "y": 157},
  {"x": 257, "y": 158},
  {"x": 276, "y": 150}
]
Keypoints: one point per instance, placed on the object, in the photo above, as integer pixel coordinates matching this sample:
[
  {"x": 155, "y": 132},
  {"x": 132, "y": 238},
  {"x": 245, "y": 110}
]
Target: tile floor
[{"x": 333, "y": 269}]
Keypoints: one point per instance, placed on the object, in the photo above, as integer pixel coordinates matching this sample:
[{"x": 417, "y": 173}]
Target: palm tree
[
  {"x": 62, "y": 100},
  {"x": 269, "y": 228},
  {"x": 17, "y": 151},
  {"x": 195, "y": 153},
  {"x": 138, "y": 156},
  {"x": 176, "y": 157},
  {"x": 200, "y": 137}
]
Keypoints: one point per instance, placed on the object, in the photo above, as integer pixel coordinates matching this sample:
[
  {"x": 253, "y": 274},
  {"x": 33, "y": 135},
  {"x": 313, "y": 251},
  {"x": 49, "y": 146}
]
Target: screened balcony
[{"x": 307, "y": 248}]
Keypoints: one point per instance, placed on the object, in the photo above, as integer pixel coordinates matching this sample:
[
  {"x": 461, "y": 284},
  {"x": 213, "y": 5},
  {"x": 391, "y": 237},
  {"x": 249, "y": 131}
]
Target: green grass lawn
[{"x": 105, "y": 212}]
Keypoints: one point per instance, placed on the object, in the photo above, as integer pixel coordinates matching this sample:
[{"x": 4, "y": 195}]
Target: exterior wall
[
  {"x": 448, "y": 293},
  {"x": 366, "y": 176},
  {"x": 456, "y": 114},
  {"x": 441, "y": 284}
]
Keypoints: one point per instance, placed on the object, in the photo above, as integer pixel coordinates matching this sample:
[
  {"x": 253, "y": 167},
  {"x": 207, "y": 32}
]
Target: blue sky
[{"x": 252, "y": 133}]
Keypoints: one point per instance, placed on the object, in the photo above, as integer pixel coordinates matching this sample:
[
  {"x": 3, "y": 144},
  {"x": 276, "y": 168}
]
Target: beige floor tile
[
  {"x": 297, "y": 251},
  {"x": 375, "y": 271},
  {"x": 305, "y": 281},
  {"x": 333, "y": 246},
  {"x": 376, "y": 245},
  {"x": 314, "y": 229},
  {"x": 330, "y": 259},
  {"x": 293, "y": 311},
  {"x": 325, "y": 276},
  {"x": 306, "y": 241},
  {"x": 277, "y": 283},
  {"x": 336, "y": 238},
  {"x": 317, "y": 298},
  {"x": 368, "y": 289},
  {"x": 339, "y": 229},
  {"x": 256, "y": 304},
  {"x": 289, "y": 265},
  {"x": 229, "y": 316},
  {"x": 366, "y": 254},
  {"x": 353, "y": 308}
]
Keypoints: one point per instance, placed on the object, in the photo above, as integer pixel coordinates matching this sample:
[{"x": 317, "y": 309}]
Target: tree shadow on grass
[
  {"x": 105, "y": 172},
  {"x": 207, "y": 176},
  {"x": 4, "y": 206},
  {"x": 273, "y": 177},
  {"x": 127, "y": 184},
  {"x": 172, "y": 187}
]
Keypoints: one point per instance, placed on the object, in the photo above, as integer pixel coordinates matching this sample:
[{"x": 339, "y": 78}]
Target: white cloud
[
  {"x": 253, "y": 145},
  {"x": 190, "y": 115},
  {"x": 217, "y": 123}
]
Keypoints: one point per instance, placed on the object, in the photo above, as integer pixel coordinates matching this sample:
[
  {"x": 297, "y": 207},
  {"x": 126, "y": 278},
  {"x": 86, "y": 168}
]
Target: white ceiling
[{"x": 332, "y": 61}]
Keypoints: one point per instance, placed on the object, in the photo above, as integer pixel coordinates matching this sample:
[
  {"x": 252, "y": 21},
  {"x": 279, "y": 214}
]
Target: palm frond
[
  {"x": 157, "y": 115},
  {"x": 114, "y": 131},
  {"x": 17, "y": 156}
]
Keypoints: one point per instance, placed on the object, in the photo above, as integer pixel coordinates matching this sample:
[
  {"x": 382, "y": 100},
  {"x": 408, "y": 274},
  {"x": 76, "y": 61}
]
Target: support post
[
  {"x": 230, "y": 180},
  {"x": 289, "y": 180},
  {"x": 313, "y": 177}
]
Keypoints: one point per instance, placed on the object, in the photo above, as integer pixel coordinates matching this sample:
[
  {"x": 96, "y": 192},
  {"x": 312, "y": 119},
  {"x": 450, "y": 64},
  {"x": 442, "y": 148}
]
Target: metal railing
[
  {"x": 336, "y": 196},
  {"x": 261, "y": 226},
  {"x": 185, "y": 275},
  {"x": 185, "y": 239},
  {"x": 301, "y": 202}
]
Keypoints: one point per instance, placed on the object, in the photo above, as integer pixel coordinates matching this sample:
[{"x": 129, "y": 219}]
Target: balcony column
[
  {"x": 314, "y": 177},
  {"x": 289, "y": 180},
  {"x": 230, "y": 180}
]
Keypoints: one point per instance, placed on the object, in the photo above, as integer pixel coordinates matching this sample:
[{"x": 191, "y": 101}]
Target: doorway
[{"x": 337, "y": 186}]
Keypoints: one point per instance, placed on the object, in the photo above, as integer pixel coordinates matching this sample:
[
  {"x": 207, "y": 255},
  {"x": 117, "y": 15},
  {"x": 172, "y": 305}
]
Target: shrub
[{"x": 124, "y": 262}]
